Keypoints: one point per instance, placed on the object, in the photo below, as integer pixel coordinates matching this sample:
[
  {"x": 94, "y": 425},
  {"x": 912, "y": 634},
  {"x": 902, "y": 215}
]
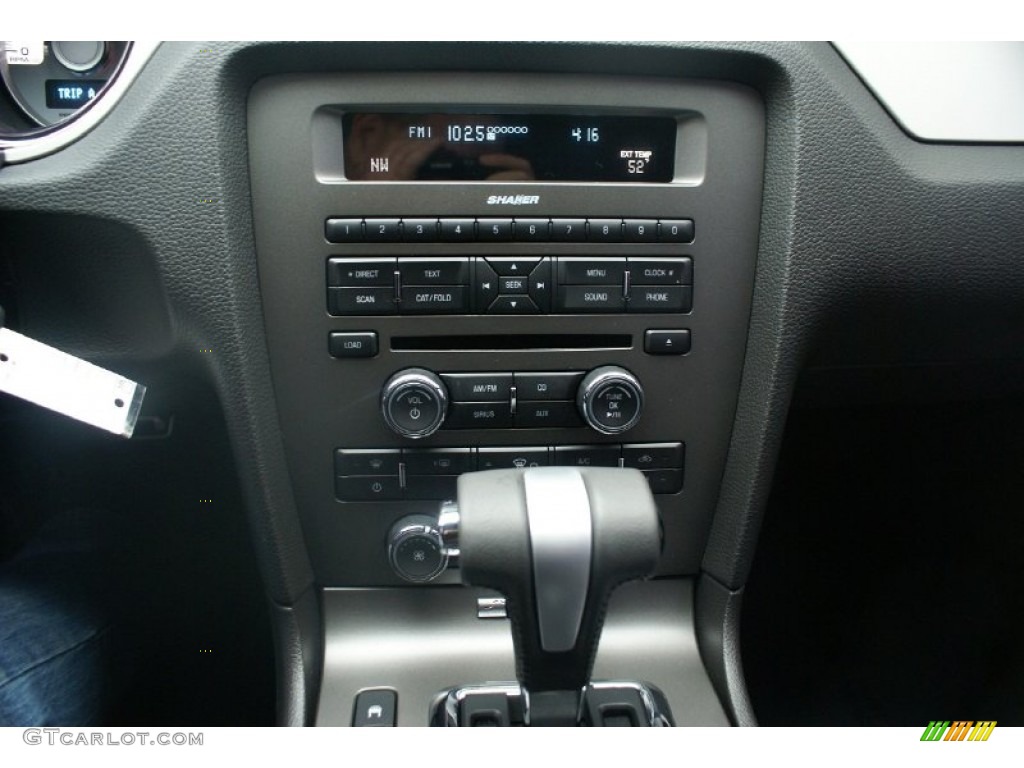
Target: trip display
[
  {"x": 71, "y": 94},
  {"x": 391, "y": 146}
]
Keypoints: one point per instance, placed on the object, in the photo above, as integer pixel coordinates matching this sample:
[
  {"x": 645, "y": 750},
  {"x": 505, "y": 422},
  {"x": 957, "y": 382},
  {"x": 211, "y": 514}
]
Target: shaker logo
[{"x": 513, "y": 200}]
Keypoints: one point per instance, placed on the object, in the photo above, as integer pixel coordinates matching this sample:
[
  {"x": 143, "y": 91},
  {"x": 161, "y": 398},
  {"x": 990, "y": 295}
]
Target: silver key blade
[{"x": 40, "y": 374}]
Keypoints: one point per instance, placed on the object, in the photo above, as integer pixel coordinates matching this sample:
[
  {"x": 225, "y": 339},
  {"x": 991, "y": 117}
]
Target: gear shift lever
[{"x": 556, "y": 541}]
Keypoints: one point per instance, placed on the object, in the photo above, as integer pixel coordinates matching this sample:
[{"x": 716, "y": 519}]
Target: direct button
[
  {"x": 478, "y": 387},
  {"x": 346, "y": 273},
  {"x": 375, "y": 708},
  {"x": 547, "y": 386},
  {"x": 352, "y": 344}
]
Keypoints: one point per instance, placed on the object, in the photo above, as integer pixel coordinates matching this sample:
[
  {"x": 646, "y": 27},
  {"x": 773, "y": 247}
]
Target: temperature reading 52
[{"x": 636, "y": 160}]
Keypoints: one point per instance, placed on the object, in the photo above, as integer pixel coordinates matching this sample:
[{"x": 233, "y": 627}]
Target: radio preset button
[
  {"x": 348, "y": 273},
  {"x": 458, "y": 230},
  {"x": 433, "y": 300},
  {"x": 675, "y": 230},
  {"x": 590, "y": 298},
  {"x": 494, "y": 230},
  {"x": 531, "y": 230},
  {"x": 383, "y": 230},
  {"x": 569, "y": 230},
  {"x": 361, "y": 301},
  {"x": 419, "y": 230},
  {"x": 641, "y": 230},
  {"x": 587, "y": 271},
  {"x": 604, "y": 230},
  {"x": 452, "y": 271},
  {"x": 343, "y": 230}
]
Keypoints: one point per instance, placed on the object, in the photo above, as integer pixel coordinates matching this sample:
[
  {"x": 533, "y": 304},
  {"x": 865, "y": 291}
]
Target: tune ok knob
[
  {"x": 414, "y": 402},
  {"x": 610, "y": 399},
  {"x": 415, "y": 549}
]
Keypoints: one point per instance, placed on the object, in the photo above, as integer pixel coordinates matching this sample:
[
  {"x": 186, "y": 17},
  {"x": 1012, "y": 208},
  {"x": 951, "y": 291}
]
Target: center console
[{"x": 463, "y": 272}]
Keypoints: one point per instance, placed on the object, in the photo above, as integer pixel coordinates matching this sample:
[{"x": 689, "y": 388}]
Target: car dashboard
[{"x": 383, "y": 267}]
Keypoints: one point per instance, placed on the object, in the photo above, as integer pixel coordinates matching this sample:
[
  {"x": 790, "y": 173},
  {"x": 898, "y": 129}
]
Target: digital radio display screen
[{"x": 392, "y": 146}]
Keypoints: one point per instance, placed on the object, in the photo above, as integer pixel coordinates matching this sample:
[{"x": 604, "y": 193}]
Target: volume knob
[
  {"x": 414, "y": 402},
  {"x": 610, "y": 399}
]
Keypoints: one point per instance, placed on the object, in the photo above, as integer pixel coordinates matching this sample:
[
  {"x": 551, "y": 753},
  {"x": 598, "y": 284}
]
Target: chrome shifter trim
[{"x": 558, "y": 513}]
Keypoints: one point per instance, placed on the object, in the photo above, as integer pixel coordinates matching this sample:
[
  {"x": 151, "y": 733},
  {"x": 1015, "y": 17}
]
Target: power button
[{"x": 414, "y": 402}]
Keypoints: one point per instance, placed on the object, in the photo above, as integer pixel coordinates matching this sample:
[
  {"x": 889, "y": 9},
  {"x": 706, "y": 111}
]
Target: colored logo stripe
[{"x": 959, "y": 730}]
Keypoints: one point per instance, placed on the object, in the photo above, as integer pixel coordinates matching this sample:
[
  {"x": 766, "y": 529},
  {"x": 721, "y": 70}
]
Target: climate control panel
[{"x": 416, "y": 402}]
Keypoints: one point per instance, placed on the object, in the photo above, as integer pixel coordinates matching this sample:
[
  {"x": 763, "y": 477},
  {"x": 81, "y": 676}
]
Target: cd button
[{"x": 547, "y": 386}]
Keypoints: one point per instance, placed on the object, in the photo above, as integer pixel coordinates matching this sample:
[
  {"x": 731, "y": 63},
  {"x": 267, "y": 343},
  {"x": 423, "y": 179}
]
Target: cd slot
[{"x": 497, "y": 342}]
